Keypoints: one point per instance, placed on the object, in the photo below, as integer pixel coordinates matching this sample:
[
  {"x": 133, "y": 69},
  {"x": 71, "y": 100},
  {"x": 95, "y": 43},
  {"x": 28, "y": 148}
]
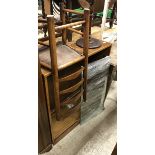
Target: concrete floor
[{"x": 97, "y": 136}]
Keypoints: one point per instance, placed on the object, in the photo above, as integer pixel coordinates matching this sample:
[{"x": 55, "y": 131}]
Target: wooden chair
[{"x": 59, "y": 57}]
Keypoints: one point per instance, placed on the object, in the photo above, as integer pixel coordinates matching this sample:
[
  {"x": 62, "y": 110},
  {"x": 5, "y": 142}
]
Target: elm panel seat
[{"x": 65, "y": 57}]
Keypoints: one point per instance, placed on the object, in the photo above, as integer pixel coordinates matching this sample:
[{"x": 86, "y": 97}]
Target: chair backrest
[{"x": 53, "y": 54}]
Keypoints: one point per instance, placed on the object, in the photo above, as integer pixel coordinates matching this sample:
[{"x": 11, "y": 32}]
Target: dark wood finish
[{"x": 44, "y": 130}]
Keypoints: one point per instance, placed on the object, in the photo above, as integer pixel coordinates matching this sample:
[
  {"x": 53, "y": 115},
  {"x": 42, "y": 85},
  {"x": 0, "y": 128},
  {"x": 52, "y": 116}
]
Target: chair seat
[{"x": 65, "y": 57}]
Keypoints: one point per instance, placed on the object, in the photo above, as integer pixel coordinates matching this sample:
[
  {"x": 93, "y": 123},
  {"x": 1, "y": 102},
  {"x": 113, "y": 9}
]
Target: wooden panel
[
  {"x": 62, "y": 127},
  {"x": 59, "y": 127},
  {"x": 91, "y": 51},
  {"x": 44, "y": 131},
  {"x": 57, "y": 139}
]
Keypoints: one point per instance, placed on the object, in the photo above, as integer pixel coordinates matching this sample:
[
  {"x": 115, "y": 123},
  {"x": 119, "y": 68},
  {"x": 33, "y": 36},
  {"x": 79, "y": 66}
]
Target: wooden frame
[
  {"x": 44, "y": 124},
  {"x": 61, "y": 128},
  {"x": 53, "y": 54}
]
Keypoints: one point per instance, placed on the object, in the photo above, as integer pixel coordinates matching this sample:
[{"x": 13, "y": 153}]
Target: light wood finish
[
  {"x": 47, "y": 7},
  {"x": 54, "y": 67},
  {"x": 53, "y": 55},
  {"x": 76, "y": 31},
  {"x": 69, "y": 25}
]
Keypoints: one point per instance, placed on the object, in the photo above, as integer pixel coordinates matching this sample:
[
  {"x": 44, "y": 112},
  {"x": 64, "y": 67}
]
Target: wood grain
[
  {"x": 91, "y": 52},
  {"x": 44, "y": 129},
  {"x": 53, "y": 56},
  {"x": 69, "y": 25},
  {"x": 85, "y": 49},
  {"x": 65, "y": 57},
  {"x": 73, "y": 88},
  {"x": 72, "y": 76}
]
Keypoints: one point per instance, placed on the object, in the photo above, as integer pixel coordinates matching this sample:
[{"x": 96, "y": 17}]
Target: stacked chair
[
  {"x": 64, "y": 68},
  {"x": 58, "y": 58}
]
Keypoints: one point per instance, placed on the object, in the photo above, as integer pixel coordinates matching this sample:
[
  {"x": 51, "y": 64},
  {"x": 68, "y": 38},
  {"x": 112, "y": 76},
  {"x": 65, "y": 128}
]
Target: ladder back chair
[{"x": 60, "y": 57}]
